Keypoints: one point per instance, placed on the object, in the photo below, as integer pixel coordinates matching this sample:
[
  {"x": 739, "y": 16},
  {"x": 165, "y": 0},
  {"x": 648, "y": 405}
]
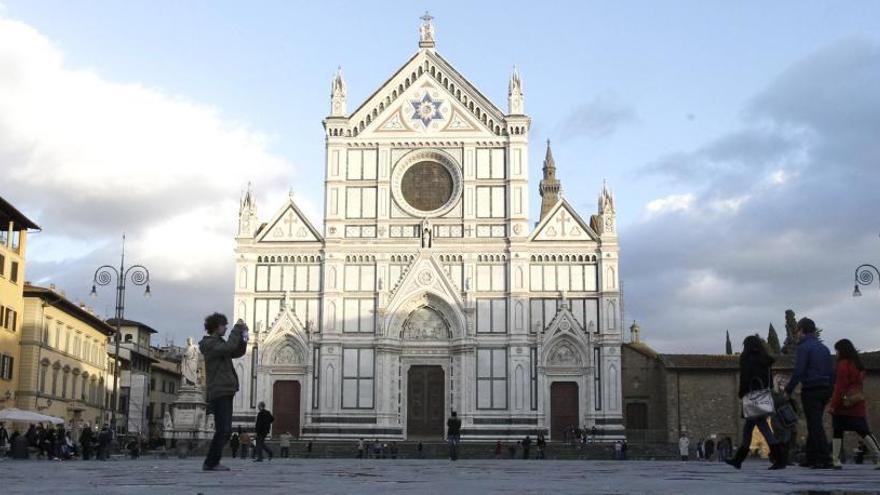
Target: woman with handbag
[
  {"x": 847, "y": 406},
  {"x": 755, "y": 382}
]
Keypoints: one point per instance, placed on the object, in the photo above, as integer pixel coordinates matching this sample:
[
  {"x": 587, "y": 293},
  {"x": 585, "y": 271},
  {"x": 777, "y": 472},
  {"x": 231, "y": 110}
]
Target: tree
[
  {"x": 790, "y": 332},
  {"x": 728, "y": 347},
  {"x": 773, "y": 341}
]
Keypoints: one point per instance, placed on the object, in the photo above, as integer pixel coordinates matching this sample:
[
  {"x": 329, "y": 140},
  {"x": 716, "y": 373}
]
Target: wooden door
[
  {"x": 424, "y": 402},
  {"x": 564, "y": 412},
  {"x": 285, "y": 407}
]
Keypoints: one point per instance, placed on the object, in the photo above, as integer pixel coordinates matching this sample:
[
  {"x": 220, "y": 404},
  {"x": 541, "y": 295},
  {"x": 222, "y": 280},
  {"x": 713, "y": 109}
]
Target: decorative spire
[
  {"x": 606, "y": 200},
  {"x": 635, "y": 332},
  {"x": 550, "y": 185},
  {"x": 728, "y": 347},
  {"x": 247, "y": 212},
  {"x": 337, "y": 95},
  {"x": 515, "y": 94},
  {"x": 426, "y": 31}
]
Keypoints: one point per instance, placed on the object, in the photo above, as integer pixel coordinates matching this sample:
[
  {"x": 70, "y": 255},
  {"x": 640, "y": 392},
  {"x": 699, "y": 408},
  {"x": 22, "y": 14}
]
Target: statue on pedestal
[{"x": 190, "y": 364}]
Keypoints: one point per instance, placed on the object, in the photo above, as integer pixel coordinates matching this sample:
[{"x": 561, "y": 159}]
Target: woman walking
[
  {"x": 755, "y": 375},
  {"x": 848, "y": 402}
]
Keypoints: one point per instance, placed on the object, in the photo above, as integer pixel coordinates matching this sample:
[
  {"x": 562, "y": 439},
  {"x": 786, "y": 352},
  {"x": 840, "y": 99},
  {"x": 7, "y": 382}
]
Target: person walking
[
  {"x": 814, "y": 372},
  {"x": 284, "y": 444},
  {"x": 541, "y": 444},
  {"x": 684, "y": 445},
  {"x": 848, "y": 402},
  {"x": 453, "y": 435},
  {"x": 233, "y": 443},
  {"x": 498, "y": 449},
  {"x": 85, "y": 443},
  {"x": 262, "y": 428},
  {"x": 420, "y": 449},
  {"x": 755, "y": 375},
  {"x": 360, "y": 448},
  {"x": 526, "y": 445},
  {"x": 221, "y": 380},
  {"x": 709, "y": 448}
]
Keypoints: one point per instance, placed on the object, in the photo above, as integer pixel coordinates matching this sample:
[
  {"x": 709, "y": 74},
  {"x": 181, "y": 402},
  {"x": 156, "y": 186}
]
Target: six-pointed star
[{"x": 427, "y": 109}]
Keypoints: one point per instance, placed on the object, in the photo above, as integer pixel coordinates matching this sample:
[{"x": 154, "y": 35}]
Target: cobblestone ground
[{"x": 383, "y": 477}]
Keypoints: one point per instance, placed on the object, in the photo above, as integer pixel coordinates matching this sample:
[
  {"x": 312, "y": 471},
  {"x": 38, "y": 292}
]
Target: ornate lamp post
[
  {"x": 104, "y": 275},
  {"x": 865, "y": 276}
]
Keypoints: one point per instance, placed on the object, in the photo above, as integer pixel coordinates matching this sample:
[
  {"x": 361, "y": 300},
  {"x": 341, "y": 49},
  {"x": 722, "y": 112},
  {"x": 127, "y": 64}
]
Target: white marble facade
[{"x": 427, "y": 258}]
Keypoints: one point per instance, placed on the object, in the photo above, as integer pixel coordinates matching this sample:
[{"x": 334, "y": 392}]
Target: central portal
[{"x": 424, "y": 398}]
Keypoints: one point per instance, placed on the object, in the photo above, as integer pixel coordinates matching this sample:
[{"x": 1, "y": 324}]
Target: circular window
[
  {"x": 426, "y": 186},
  {"x": 426, "y": 183}
]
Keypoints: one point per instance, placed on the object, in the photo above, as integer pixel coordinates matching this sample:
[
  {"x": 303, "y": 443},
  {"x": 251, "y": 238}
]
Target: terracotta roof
[
  {"x": 131, "y": 323},
  {"x": 52, "y": 298}
]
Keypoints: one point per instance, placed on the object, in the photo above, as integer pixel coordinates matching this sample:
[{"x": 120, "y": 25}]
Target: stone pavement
[{"x": 385, "y": 477}]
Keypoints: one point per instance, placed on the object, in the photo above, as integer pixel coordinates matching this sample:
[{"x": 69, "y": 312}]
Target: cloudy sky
[{"x": 742, "y": 140}]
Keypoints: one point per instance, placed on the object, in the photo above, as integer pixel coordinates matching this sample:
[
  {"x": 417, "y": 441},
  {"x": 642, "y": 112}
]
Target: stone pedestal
[{"x": 190, "y": 426}]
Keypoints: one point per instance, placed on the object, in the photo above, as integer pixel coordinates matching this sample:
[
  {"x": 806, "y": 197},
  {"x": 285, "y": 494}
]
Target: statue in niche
[
  {"x": 563, "y": 354},
  {"x": 425, "y": 324},
  {"x": 426, "y": 234}
]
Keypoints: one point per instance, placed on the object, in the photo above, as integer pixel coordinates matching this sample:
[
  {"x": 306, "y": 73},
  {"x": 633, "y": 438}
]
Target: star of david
[{"x": 426, "y": 109}]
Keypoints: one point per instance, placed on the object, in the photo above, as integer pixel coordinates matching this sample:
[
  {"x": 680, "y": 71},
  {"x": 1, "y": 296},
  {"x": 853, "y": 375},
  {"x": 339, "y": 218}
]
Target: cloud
[
  {"x": 597, "y": 119},
  {"x": 89, "y": 158},
  {"x": 780, "y": 213}
]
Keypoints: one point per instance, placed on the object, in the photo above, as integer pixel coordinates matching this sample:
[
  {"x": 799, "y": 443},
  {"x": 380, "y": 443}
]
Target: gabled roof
[
  {"x": 132, "y": 323},
  {"x": 424, "y": 65},
  {"x": 555, "y": 227},
  {"x": 289, "y": 224}
]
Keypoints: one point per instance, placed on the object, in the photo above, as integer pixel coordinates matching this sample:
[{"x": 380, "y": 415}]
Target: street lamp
[
  {"x": 104, "y": 275},
  {"x": 865, "y": 276}
]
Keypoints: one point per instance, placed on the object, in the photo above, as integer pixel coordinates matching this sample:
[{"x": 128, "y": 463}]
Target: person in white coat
[{"x": 683, "y": 446}]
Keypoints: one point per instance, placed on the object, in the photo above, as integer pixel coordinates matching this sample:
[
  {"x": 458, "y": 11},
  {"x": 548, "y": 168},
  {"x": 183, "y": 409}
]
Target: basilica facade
[{"x": 428, "y": 290}]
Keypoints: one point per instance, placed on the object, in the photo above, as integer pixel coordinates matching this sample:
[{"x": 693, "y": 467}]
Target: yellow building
[
  {"x": 64, "y": 363},
  {"x": 14, "y": 227}
]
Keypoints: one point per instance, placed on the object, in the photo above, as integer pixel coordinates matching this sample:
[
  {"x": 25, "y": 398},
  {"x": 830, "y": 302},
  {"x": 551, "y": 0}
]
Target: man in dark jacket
[
  {"x": 263, "y": 426},
  {"x": 221, "y": 381},
  {"x": 453, "y": 435},
  {"x": 814, "y": 371}
]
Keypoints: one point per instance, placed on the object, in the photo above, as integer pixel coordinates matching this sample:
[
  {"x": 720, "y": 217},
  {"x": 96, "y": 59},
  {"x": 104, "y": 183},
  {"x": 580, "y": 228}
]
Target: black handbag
[{"x": 787, "y": 414}]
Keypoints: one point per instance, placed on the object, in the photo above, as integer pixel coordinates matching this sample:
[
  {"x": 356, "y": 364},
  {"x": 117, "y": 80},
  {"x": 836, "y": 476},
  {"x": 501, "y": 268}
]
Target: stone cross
[{"x": 562, "y": 220}]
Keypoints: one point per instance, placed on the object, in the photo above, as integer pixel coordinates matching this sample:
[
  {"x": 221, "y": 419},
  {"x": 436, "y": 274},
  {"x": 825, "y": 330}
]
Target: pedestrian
[
  {"x": 85, "y": 442},
  {"x": 360, "y": 448},
  {"x": 4, "y": 440},
  {"x": 623, "y": 448},
  {"x": 263, "y": 427},
  {"x": 593, "y": 432},
  {"x": 511, "y": 449},
  {"x": 221, "y": 380},
  {"x": 234, "y": 442},
  {"x": 244, "y": 440},
  {"x": 526, "y": 445},
  {"x": 618, "y": 450},
  {"x": 814, "y": 372},
  {"x": 284, "y": 444},
  {"x": 498, "y": 449},
  {"x": 420, "y": 448},
  {"x": 700, "y": 449},
  {"x": 755, "y": 375},
  {"x": 453, "y": 435},
  {"x": 308, "y": 450},
  {"x": 683, "y": 446},
  {"x": 104, "y": 440},
  {"x": 709, "y": 448},
  {"x": 541, "y": 444},
  {"x": 848, "y": 402}
]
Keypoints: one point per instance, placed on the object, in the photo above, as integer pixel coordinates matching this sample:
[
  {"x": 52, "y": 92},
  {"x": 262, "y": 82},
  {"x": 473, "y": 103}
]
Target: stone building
[
  {"x": 64, "y": 369},
  {"x": 667, "y": 394},
  {"x": 165, "y": 379},
  {"x": 14, "y": 228},
  {"x": 135, "y": 364},
  {"x": 429, "y": 290}
]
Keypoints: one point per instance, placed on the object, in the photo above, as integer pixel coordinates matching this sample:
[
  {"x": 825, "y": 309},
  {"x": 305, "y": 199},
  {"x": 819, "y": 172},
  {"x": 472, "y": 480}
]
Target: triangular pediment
[
  {"x": 289, "y": 224},
  {"x": 425, "y": 274},
  {"x": 427, "y": 95},
  {"x": 562, "y": 223},
  {"x": 286, "y": 341},
  {"x": 565, "y": 343}
]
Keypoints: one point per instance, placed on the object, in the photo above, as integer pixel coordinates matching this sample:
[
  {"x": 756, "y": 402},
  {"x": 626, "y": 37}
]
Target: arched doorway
[
  {"x": 425, "y": 405},
  {"x": 285, "y": 407},
  {"x": 564, "y": 411}
]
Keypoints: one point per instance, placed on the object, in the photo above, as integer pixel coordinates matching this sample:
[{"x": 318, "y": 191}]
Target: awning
[{"x": 13, "y": 414}]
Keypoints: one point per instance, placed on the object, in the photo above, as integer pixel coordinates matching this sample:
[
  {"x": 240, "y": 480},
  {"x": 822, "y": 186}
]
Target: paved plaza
[{"x": 384, "y": 477}]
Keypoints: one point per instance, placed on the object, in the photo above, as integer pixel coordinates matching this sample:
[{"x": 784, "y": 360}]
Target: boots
[
  {"x": 836, "y": 444},
  {"x": 874, "y": 446},
  {"x": 777, "y": 454},
  {"x": 738, "y": 457}
]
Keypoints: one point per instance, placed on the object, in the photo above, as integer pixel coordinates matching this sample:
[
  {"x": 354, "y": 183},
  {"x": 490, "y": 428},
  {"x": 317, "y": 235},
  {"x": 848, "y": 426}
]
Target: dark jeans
[
  {"x": 814, "y": 400},
  {"x": 453, "y": 440},
  {"x": 222, "y": 407},
  {"x": 763, "y": 427},
  {"x": 261, "y": 447}
]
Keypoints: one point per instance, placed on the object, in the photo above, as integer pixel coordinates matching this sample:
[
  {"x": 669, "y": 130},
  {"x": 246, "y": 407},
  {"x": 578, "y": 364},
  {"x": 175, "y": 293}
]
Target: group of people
[
  {"x": 56, "y": 443},
  {"x": 839, "y": 388}
]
